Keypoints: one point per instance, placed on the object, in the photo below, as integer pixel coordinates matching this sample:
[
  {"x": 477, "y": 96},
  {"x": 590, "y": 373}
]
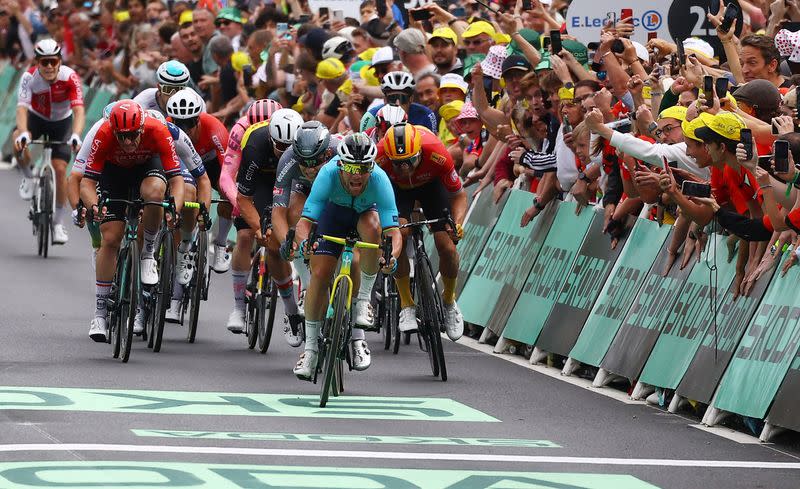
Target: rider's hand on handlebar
[
  {"x": 288, "y": 249},
  {"x": 390, "y": 268},
  {"x": 262, "y": 239},
  {"x": 455, "y": 234},
  {"x": 22, "y": 140},
  {"x": 75, "y": 142},
  {"x": 98, "y": 214}
]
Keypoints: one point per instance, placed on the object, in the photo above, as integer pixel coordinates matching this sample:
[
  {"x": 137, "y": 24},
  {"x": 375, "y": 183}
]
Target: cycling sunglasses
[
  {"x": 48, "y": 62},
  {"x": 169, "y": 90},
  {"x": 132, "y": 136},
  {"x": 355, "y": 169},
  {"x": 397, "y": 99},
  {"x": 411, "y": 162},
  {"x": 187, "y": 124},
  {"x": 280, "y": 146}
]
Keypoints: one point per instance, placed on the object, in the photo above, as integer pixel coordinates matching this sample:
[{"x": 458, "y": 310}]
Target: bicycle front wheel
[
  {"x": 198, "y": 285},
  {"x": 46, "y": 210},
  {"x": 163, "y": 290},
  {"x": 437, "y": 320},
  {"x": 334, "y": 337},
  {"x": 427, "y": 328},
  {"x": 129, "y": 298},
  {"x": 266, "y": 318}
]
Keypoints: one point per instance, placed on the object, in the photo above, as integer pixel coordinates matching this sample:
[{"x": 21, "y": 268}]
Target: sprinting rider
[
  {"x": 171, "y": 76},
  {"x": 313, "y": 146},
  {"x": 49, "y": 103},
  {"x": 350, "y": 194},
  {"x": 421, "y": 169},
  {"x": 130, "y": 153},
  {"x": 262, "y": 146}
]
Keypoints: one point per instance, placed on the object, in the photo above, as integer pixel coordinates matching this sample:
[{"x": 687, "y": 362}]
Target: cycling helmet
[
  {"x": 337, "y": 47},
  {"x": 185, "y": 104},
  {"x": 283, "y": 126},
  {"x": 126, "y": 116},
  {"x": 47, "y": 47},
  {"x": 398, "y": 81},
  {"x": 172, "y": 73},
  {"x": 261, "y": 110},
  {"x": 107, "y": 110},
  {"x": 389, "y": 115},
  {"x": 312, "y": 140},
  {"x": 358, "y": 149},
  {"x": 403, "y": 144},
  {"x": 157, "y": 115}
]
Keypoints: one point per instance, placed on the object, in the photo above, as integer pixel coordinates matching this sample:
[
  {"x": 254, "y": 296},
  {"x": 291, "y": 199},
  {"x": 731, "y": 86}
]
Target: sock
[
  {"x": 58, "y": 217},
  {"x": 286, "y": 291},
  {"x": 103, "y": 290},
  {"x": 358, "y": 334},
  {"x": 224, "y": 226},
  {"x": 149, "y": 243},
  {"x": 449, "y": 292},
  {"x": 239, "y": 285},
  {"x": 26, "y": 171},
  {"x": 302, "y": 271},
  {"x": 365, "y": 290},
  {"x": 177, "y": 289},
  {"x": 404, "y": 291},
  {"x": 312, "y": 334}
]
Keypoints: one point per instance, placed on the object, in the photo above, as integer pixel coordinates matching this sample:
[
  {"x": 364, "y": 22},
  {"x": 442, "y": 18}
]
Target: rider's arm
[
  {"x": 22, "y": 119},
  {"x": 204, "y": 190},
  {"x": 280, "y": 195},
  {"x": 247, "y": 182},
  {"x": 230, "y": 163},
  {"x": 78, "y": 119},
  {"x": 24, "y": 98},
  {"x": 248, "y": 211},
  {"x": 317, "y": 199},
  {"x": 165, "y": 148},
  {"x": 76, "y": 103},
  {"x": 387, "y": 209}
]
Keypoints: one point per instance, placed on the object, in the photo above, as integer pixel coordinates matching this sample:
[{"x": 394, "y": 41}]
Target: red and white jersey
[{"x": 50, "y": 101}]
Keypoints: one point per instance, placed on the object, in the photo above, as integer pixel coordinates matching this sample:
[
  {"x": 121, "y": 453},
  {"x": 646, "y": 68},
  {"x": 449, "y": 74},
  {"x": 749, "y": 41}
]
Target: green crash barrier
[
  {"x": 430, "y": 245},
  {"x": 576, "y": 297},
  {"x": 497, "y": 278},
  {"x": 619, "y": 291},
  {"x": 477, "y": 229},
  {"x": 784, "y": 412},
  {"x": 94, "y": 111},
  {"x": 765, "y": 351},
  {"x": 691, "y": 316},
  {"x": 548, "y": 273}
]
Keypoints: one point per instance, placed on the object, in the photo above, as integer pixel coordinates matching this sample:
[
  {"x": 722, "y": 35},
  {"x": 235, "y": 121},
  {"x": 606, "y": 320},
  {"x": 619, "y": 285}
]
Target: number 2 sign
[{"x": 687, "y": 18}]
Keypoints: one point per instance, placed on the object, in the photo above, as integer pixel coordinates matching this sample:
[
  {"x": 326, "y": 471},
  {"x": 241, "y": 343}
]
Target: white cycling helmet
[
  {"x": 283, "y": 125},
  {"x": 157, "y": 115},
  {"x": 337, "y": 47},
  {"x": 185, "y": 104},
  {"x": 359, "y": 149},
  {"x": 172, "y": 73},
  {"x": 47, "y": 47},
  {"x": 398, "y": 81}
]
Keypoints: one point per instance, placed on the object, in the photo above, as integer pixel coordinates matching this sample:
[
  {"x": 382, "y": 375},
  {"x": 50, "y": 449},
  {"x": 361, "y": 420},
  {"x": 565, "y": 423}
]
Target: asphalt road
[{"x": 213, "y": 414}]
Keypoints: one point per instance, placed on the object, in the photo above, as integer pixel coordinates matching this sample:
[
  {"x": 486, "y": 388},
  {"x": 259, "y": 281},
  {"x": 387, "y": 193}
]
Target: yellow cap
[
  {"x": 479, "y": 27},
  {"x": 451, "y": 109},
  {"x": 329, "y": 69},
  {"x": 239, "y": 60},
  {"x": 566, "y": 93},
  {"x": 186, "y": 17},
  {"x": 501, "y": 38},
  {"x": 688, "y": 127},
  {"x": 122, "y": 16},
  {"x": 725, "y": 124},
  {"x": 368, "y": 75},
  {"x": 675, "y": 112},
  {"x": 444, "y": 33},
  {"x": 367, "y": 54},
  {"x": 346, "y": 87}
]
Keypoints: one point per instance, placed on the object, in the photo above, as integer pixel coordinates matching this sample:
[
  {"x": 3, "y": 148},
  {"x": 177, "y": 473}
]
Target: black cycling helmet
[{"x": 311, "y": 141}]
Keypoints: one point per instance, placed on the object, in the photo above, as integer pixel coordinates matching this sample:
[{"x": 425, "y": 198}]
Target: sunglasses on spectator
[
  {"x": 131, "y": 136},
  {"x": 355, "y": 169},
  {"x": 169, "y": 90},
  {"x": 49, "y": 62},
  {"x": 222, "y": 22},
  {"x": 397, "y": 98},
  {"x": 3, "y": 13},
  {"x": 474, "y": 42},
  {"x": 187, "y": 124}
]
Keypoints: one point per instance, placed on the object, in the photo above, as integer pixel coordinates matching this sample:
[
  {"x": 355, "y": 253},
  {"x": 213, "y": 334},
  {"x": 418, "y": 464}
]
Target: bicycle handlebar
[{"x": 358, "y": 244}]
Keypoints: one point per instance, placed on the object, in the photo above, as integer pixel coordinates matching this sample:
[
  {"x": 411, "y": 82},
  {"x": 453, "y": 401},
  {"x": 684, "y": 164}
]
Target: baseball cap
[
  {"x": 231, "y": 13},
  {"x": 529, "y": 35},
  {"x": 377, "y": 29},
  {"x": 470, "y": 61},
  {"x": 477, "y": 28},
  {"x": 760, "y": 94},
  {"x": 675, "y": 112},
  {"x": 186, "y": 17},
  {"x": 445, "y": 33},
  {"x": 689, "y": 127},
  {"x": 516, "y": 62},
  {"x": 329, "y": 69},
  {"x": 452, "y": 80},
  {"x": 725, "y": 124},
  {"x": 383, "y": 55},
  {"x": 451, "y": 109},
  {"x": 314, "y": 40},
  {"x": 579, "y": 51},
  {"x": 698, "y": 46},
  {"x": 411, "y": 41}
]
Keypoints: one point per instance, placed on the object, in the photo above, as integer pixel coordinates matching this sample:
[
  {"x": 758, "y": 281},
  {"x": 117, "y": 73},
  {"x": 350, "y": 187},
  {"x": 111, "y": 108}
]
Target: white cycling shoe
[
  {"x": 306, "y": 365},
  {"x": 98, "y": 330},
  {"x": 221, "y": 260},
  {"x": 148, "y": 268},
  {"x": 185, "y": 268},
  {"x": 293, "y": 326},
  {"x": 408, "y": 319},
  {"x": 26, "y": 188},
  {"x": 138, "y": 321},
  {"x": 173, "y": 314},
  {"x": 364, "y": 315},
  {"x": 236, "y": 321},
  {"x": 362, "y": 358},
  {"x": 60, "y": 235},
  {"x": 453, "y": 321}
]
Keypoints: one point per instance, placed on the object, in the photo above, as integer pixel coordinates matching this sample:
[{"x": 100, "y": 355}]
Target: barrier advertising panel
[
  {"x": 784, "y": 410},
  {"x": 476, "y": 232}
]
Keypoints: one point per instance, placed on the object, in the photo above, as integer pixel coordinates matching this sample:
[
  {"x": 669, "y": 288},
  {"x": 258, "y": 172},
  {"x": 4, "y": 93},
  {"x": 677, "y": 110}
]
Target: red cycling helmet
[
  {"x": 261, "y": 110},
  {"x": 126, "y": 116}
]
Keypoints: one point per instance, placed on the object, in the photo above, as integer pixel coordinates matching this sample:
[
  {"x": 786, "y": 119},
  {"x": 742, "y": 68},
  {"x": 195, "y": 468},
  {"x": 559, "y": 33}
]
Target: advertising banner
[
  {"x": 576, "y": 297},
  {"x": 784, "y": 410},
  {"x": 767, "y": 348},
  {"x": 619, "y": 291},
  {"x": 477, "y": 229},
  {"x": 585, "y": 18},
  {"x": 504, "y": 262},
  {"x": 690, "y": 317},
  {"x": 642, "y": 325},
  {"x": 548, "y": 273},
  {"x": 717, "y": 347}
]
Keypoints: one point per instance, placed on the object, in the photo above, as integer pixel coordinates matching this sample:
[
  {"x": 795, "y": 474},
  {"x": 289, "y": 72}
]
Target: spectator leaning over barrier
[
  {"x": 761, "y": 60},
  {"x": 203, "y": 22},
  {"x": 426, "y": 92},
  {"x": 478, "y": 37},
  {"x": 229, "y": 22},
  {"x": 194, "y": 47}
]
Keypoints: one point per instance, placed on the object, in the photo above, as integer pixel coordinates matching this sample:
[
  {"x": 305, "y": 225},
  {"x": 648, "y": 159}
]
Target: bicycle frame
[{"x": 344, "y": 269}]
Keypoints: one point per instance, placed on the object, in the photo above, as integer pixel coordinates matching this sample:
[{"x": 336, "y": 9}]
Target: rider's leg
[
  {"x": 241, "y": 265},
  {"x": 322, "y": 269},
  {"x": 224, "y": 223},
  {"x": 281, "y": 273},
  {"x": 369, "y": 228},
  {"x": 111, "y": 232},
  {"x": 60, "y": 167},
  {"x": 401, "y": 276},
  {"x": 152, "y": 189},
  {"x": 448, "y": 265}
]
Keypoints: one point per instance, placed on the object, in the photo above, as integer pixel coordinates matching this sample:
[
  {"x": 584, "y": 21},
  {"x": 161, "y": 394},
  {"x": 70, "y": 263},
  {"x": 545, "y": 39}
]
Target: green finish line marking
[
  {"x": 74, "y": 475},
  {"x": 331, "y": 438},
  {"x": 235, "y": 404}
]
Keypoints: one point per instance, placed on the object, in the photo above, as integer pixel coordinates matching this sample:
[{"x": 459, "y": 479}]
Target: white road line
[{"x": 652, "y": 462}]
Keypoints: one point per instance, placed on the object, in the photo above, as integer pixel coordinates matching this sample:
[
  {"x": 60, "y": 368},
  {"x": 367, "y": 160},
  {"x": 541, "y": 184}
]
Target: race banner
[
  {"x": 767, "y": 348},
  {"x": 642, "y": 325},
  {"x": 547, "y": 275},
  {"x": 690, "y": 317},
  {"x": 784, "y": 410},
  {"x": 477, "y": 229},
  {"x": 430, "y": 245},
  {"x": 619, "y": 291},
  {"x": 576, "y": 297},
  {"x": 504, "y": 262},
  {"x": 716, "y": 349}
]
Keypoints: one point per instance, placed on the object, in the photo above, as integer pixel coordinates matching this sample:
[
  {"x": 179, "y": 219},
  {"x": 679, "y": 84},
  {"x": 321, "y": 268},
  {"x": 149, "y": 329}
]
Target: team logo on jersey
[
  {"x": 277, "y": 191},
  {"x": 453, "y": 176},
  {"x": 438, "y": 159}
]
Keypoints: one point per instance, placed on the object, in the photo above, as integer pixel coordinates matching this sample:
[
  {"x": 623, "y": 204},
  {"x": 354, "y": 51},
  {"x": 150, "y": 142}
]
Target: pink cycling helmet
[{"x": 262, "y": 110}]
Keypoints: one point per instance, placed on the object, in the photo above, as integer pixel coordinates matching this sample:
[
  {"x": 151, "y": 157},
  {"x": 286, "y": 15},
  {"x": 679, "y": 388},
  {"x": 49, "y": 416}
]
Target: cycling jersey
[
  {"x": 50, "y": 101},
  {"x": 212, "y": 139},
  {"x": 418, "y": 114},
  {"x": 258, "y": 156},
  {"x": 288, "y": 172},
  {"x": 328, "y": 187},
  {"x": 156, "y": 141},
  {"x": 233, "y": 157},
  {"x": 435, "y": 162}
]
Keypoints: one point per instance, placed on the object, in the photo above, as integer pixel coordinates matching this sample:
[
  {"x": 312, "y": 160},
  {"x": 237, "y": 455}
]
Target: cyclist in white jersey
[
  {"x": 50, "y": 104},
  {"x": 171, "y": 76}
]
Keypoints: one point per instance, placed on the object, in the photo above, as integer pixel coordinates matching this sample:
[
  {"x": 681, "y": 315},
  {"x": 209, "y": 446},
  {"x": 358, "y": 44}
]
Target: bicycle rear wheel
[
  {"x": 334, "y": 337},
  {"x": 426, "y": 329},
  {"x": 46, "y": 210},
  {"x": 129, "y": 297},
  {"x": 393, "y": 311},
  {"x": 266, "y": 319},
  {"x": 437, "y": 319},
  {"x": 114, "y": 308},
  {"x": 198, "y": 285},
  {"x": 252, "y": 298},
  {"x": 163, "y": 290}
]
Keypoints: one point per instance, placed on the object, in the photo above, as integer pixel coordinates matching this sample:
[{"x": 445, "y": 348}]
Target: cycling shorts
[
  {"x": 337, "y": 221},
  {"x": 55, "y": 131},
  {"x": 125, "y": 183},
  {"x": 433, "y": 199},
  {"x": 213, "y": 169},
  {"x": 262, "y": 198}
]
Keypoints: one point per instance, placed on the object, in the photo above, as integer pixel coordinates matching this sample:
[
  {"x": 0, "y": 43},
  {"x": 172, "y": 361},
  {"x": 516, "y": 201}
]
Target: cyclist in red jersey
[
  {"x": 421, "y": 169},
  {"x": 131, "y": 154}
]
